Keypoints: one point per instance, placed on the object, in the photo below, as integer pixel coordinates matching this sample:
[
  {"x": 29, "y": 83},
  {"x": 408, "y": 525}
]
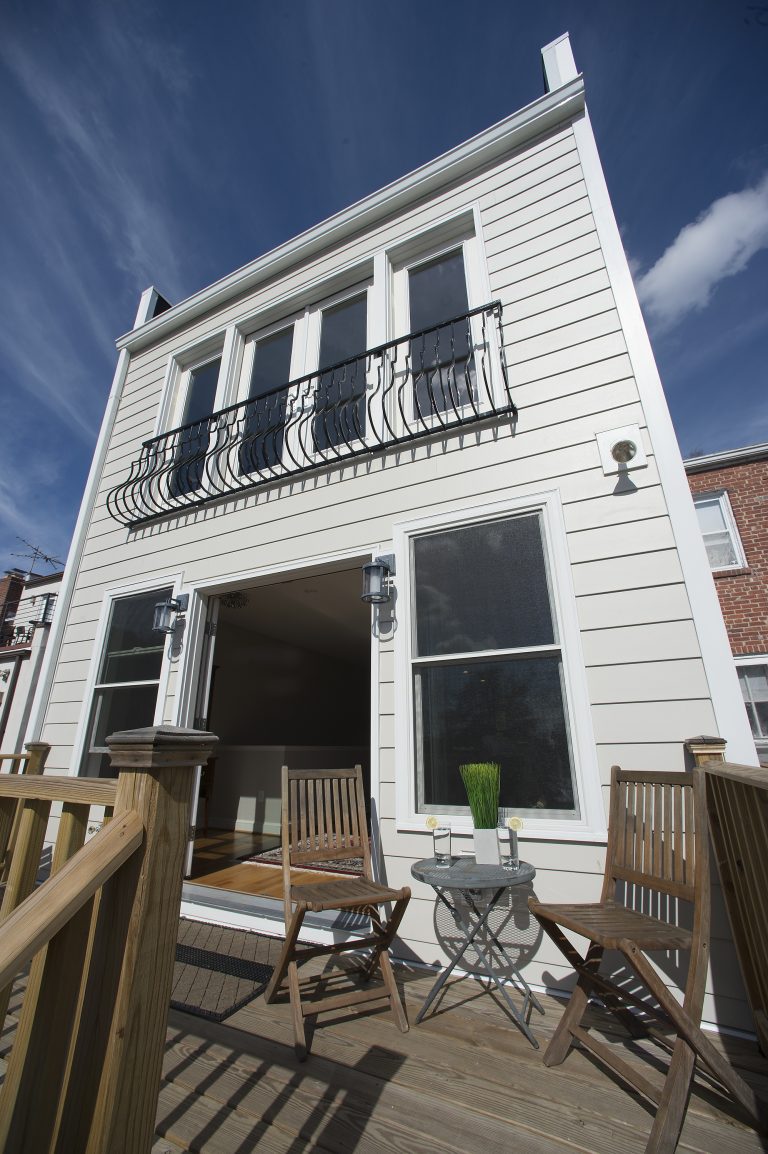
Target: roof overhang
[
  {"x": 727, "y": 457},
  {"x": 541, "y": 116}
]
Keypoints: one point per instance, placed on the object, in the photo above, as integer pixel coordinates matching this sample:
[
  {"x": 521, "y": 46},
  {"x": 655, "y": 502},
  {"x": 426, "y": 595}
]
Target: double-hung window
[
  {"x": 486, "y": 667},
  {"x": 718, "y": 528},
  {"x": 125, "y": 693},
  {"x": 753, "y": 679}
]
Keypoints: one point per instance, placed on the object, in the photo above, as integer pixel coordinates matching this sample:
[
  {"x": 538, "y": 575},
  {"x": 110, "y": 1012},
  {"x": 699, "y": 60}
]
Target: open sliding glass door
[{"x": 201, "y": 718}]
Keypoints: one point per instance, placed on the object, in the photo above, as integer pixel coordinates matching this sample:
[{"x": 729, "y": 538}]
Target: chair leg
[
  {"x": 281, "y": 969},
  {"x": 398, "y": 1013},
  {"x": 562, "y": 1039},
  {"x": 300, "y": 1038},
  {"x": 674, "y": 1101}
]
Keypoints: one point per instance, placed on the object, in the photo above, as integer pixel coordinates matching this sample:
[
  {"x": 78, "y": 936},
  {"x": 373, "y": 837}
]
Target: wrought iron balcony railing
[{"x": 419, "y": 385}]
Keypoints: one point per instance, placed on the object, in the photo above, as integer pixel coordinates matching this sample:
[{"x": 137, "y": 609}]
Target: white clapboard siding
[{"x": 570, "y": 376}]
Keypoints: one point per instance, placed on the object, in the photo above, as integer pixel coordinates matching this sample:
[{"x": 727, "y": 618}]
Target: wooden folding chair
[
  {"x": 657, "y": 858},
  {"x": 323, "y": 819}
]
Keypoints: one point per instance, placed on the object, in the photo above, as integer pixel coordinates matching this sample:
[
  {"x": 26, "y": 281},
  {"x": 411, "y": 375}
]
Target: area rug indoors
[
  {"x": 218, "y": 970},
  {"x": 274, "y": 857}
]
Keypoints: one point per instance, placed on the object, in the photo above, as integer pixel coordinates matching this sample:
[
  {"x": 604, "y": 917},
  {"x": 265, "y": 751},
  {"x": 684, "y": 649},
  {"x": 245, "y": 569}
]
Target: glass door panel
[
  {"x": 264, "y": 425},
  {"x": 339, "y": 416},
  {"x": 441, "y": 357}
]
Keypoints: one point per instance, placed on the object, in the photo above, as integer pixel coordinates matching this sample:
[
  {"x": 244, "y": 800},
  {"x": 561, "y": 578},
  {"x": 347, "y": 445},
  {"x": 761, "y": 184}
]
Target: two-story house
[
  {"x": 450, "y": 381},
  {"x": 730, "y": 492}
]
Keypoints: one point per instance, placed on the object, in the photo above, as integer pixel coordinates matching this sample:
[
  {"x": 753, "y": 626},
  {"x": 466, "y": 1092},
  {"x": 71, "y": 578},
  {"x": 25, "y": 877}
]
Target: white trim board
[{"x": 728, "y": 707}]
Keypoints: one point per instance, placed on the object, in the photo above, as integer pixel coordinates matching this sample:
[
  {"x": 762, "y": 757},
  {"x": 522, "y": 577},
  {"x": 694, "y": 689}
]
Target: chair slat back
[
  {"x": 324, "y": 816},
  {"x": 657, "y": 833}
]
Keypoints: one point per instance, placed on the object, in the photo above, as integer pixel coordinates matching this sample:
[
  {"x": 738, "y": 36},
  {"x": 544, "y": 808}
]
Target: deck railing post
[
  {"x": 114, "y": 1073},
  {"x": 706, "y": 750}
]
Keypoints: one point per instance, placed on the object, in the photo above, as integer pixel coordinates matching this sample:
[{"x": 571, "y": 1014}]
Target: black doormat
[
  {"x": 344, "y": 865},
  {"x": 219, "y": 970}
]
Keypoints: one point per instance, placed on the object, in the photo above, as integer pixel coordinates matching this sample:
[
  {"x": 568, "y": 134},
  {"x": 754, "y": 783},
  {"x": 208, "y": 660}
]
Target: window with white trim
[
  {"x": 199, "y": 388},
  {"x": 753, "y": 679},
  {"x": 718, "y": 528},
  {"x": 486, "y": 665},
  {"x": 125, "y": 694},
  {"x": 435, "y": 283}
]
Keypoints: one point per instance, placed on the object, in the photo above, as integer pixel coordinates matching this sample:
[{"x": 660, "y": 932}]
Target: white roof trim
[
  {"x": 534, "y": 119},
  {"x": 726, "y": 457}
]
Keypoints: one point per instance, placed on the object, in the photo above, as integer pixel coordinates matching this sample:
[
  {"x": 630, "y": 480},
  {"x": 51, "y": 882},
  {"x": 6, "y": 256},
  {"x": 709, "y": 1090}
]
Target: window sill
[
  {"x": 462, "y": 834},
  {"x": 745, "y": 571}
]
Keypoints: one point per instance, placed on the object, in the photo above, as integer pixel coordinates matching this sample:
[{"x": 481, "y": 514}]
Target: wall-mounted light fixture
[
  {"x": 377, "y": 577},
  {"x": 621, "y": 449},
  {"x": 166, "y": 612}
]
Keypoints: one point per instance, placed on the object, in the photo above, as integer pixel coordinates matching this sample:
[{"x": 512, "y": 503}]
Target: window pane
[
  {"x": 201, "y": 393},
  {"x": 482, "y": 586},
  {"x": 127, "y": 707},
  {"x": 507, "y": 711},
  {"x": 194, "y": 441},
  {"x": 437, "y": 291},
  {"x": 265, "y": 416},
  {"x": 720, "y": 550},
  {"x": 754, "y": 689},
  {"x": 133, "y": 651},
  {"x": 440, "y": 357},
  {"x": 340, "y": 394}
]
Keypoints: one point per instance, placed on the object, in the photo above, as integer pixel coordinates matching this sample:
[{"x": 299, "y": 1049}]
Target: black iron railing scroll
[{"x": 427, "y": 382}]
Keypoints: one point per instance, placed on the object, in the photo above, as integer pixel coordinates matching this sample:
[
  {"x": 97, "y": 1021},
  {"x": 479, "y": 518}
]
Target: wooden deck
[{"x": 464, "y": 1080}]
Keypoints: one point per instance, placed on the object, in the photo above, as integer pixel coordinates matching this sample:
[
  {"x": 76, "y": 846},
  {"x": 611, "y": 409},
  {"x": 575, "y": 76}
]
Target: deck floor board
[{"x": 464, "y": 1080}]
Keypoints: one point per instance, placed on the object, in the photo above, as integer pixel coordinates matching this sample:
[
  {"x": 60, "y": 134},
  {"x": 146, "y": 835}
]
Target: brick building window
[
  {"x": 718, "y": 528},
  {"x": 753, "y": 679}
]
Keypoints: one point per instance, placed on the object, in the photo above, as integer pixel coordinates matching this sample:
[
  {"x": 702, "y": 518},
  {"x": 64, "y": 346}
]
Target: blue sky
[{"x": 171, "y": 143}]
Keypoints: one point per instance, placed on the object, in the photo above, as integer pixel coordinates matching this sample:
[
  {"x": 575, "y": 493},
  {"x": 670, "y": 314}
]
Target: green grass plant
[{"x": 482, "y": 782}]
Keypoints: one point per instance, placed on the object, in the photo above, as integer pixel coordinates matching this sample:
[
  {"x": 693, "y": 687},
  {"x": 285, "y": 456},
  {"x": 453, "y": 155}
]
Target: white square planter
[{"x": 487, "y": 847}]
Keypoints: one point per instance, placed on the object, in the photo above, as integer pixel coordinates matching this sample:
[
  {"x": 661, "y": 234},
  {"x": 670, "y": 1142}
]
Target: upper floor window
[
  {"x": 340, "y": 393},
  {"x": 718, "y": 528},
  {"x": 199, "y": 391},
  {"x": 268, "y": 361}
]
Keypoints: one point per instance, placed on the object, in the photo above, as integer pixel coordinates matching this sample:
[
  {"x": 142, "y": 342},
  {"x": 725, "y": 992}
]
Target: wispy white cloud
[
  {"x": 113, "y": 169},
  {"x": 719, "y": 244}
]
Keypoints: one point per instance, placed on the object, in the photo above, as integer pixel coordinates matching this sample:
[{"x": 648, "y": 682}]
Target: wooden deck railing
[
  {"x": 31, "y": 762},
  {"x": 84, "y": 1071},
  {"x": 737, "y": 804}
]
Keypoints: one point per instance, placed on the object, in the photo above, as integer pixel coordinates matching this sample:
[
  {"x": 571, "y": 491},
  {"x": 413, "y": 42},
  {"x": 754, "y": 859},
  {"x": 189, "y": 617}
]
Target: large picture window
[
  {"x": 487, "y": 667},
  {"x": 125, "y": 694}
]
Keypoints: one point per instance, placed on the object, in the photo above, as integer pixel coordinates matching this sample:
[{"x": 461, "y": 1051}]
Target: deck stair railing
[
  {"x": 425, "y": 383},
  {"x": 83, "y": 1073},
  {"x": 31, "y": 762}
]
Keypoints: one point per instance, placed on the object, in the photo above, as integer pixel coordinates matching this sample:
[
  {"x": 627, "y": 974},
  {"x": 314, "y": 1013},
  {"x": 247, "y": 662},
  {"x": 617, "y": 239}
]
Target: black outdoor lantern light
[
  {"x": 164, "y": 619},
  {"x": 376, "y": 580}
]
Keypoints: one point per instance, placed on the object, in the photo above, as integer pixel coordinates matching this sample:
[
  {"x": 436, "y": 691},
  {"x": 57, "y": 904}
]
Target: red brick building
[{"x": 730, "y": 492}]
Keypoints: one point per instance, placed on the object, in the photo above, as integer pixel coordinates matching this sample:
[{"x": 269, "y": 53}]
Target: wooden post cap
[{"x": 160, "y": 745}]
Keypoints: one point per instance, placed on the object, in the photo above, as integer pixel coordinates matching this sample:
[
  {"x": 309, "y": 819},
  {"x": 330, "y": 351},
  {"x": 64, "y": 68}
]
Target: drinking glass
[
  {"x": 508, "y": 850},
  {"x": 441, "y": 845}
]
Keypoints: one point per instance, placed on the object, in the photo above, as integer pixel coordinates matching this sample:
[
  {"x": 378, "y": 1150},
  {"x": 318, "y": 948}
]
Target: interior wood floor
[
  {"x": 217, "y": 862},
  {"x": 464, "y": 1080}
]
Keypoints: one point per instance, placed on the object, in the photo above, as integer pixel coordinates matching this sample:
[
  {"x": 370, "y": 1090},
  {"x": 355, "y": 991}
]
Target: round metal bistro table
[{"x": 478, "y": 884}]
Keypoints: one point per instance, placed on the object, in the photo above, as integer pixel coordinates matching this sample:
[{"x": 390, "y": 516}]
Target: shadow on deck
[{"x": 465, "y": 1080}]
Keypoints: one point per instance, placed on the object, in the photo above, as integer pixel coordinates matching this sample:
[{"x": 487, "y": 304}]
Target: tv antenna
[{"x": 35, "y": 555}]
